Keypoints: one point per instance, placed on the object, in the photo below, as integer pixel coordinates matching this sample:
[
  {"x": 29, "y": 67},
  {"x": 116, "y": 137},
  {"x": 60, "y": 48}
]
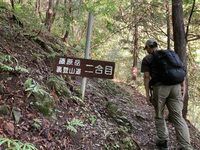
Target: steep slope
[{"x": 35, "y": 109}]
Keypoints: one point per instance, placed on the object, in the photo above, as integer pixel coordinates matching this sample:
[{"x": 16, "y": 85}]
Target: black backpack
[{"x": 171, "y": 70}]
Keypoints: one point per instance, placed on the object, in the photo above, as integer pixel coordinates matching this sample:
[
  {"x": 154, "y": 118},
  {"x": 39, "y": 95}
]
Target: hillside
[{"x": 38, "y": 107}]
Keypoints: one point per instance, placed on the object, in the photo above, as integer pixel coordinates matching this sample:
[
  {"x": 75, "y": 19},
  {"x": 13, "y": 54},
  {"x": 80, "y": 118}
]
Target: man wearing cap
[{"x": 169, "y": 95}]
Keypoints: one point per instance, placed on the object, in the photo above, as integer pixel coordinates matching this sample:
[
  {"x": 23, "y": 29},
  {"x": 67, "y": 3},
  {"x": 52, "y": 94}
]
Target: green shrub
[{"x": 16, "y": 145}]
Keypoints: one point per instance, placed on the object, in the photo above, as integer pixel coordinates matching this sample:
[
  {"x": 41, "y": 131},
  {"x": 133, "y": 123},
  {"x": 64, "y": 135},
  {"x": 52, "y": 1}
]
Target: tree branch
[
  {"x": 189, "y": 20},
  {"x": 194, "y": 38}
]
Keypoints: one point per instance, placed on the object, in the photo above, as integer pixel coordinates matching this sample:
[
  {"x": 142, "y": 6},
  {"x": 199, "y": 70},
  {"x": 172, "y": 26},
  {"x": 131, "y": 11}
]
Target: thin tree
[
  {"x": 189, "y": 19},
  {"x": 180, "y": 43},
  {"x": 67, "y": 14},
  {"x": 54, "y": 11},
  {"x": 135, "y": 52},
  {"x": 168, "y": 23},
  {"x": 50, "y": 14},
  {"x": 14, "y": 18},
  {"x": 37, "y": 8}
]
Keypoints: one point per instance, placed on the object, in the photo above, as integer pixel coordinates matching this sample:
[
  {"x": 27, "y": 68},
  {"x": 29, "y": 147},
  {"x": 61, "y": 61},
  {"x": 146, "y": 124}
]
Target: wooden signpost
[{"x": 83, "y": 67}]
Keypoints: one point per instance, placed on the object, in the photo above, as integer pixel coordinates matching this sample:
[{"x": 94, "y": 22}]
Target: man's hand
[
  {"x": 148, "y": 100},
  {"x": 146, "y": 85}
]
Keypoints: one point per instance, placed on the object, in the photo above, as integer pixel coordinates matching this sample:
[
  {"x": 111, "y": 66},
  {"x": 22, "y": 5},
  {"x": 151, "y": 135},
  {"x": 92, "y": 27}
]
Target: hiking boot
[{"x": 162, "y": 145}]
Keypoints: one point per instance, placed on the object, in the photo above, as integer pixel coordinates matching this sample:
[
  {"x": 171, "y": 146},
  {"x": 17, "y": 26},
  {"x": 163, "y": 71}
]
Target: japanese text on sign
[{"x": 84, "y": 67}]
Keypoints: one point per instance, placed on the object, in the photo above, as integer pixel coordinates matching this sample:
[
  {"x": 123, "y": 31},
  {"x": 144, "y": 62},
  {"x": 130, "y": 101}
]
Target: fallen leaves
[
  {"x": 9, "y": 128},
  {"x": 17, "y": 115}
]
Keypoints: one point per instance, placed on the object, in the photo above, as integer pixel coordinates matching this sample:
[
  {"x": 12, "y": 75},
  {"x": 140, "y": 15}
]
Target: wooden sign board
[{"x": 83, "y": 67}]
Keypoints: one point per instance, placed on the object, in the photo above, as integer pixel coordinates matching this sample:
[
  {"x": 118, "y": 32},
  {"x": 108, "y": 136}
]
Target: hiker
[{"x": 169, "y": 95}]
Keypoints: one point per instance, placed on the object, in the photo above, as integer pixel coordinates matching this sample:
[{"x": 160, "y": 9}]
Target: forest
[{"x": 119, "y": 32}]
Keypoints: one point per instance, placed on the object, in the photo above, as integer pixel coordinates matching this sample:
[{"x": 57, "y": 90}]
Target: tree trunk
[
  {"x": 135, "y": 53},
  {"x": 12, "y": 4},
  {"x": 14, "y": 18},
  {"x": 37, "y": 7},
  {"x": 67, "y": 23},
  {"x": 168, "y": 24},
  {"x": 54, "y": 11},
  {"x": 180, "y": 42},
  {"x": 49, "y": 14}
]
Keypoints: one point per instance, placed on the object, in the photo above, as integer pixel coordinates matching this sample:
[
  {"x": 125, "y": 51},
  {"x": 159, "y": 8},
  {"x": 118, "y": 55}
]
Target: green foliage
[
  {"x": 26, "y": 14},
  {"x": 28, "y": 83},
  {"x": 38, "y": 56},
  {"x": 37, "y": 123},
  {"x": 75, "y": 122},
  {"x": 4, "y": 110},
  {"x": 1, "y": 2},
  {"x": 2, "y": 5},
  {"x": 77, "y": 98},
  {"x": 106, "y": 7},
  {"x": 77, "y": 91},
  {"x": 21, "y": 69},
  {"x": 10, "y": 143},
  {"x": 28, "y": 146},
  {"x": 92, "y": 119},
  {"x": 16, "y": 145},
  {"x": 187, "y": 1},
  {"x": 44, "y": 101},
  {"x": 7, "y": 59},
  {"x": 31, "y": 86},
  {"x": 194, "y": 93},
  {"x": 4, "y": 67}
]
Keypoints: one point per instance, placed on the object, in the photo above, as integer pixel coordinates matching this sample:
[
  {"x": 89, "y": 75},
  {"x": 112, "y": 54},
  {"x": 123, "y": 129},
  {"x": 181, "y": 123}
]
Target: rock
[
  {"x": 9, "y": 128},
  {"x": 59, "y": 85},
  {"x": 117, "y": 115},
  {"x": 1, "y": 89},
  {"x": 44, "y": 103},
  {"x": 4, "y": 110}
]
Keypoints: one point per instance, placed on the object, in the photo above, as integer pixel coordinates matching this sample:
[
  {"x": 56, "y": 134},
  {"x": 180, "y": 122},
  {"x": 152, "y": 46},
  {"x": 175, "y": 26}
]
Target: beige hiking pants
[{"x": 171, "y": 97}]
